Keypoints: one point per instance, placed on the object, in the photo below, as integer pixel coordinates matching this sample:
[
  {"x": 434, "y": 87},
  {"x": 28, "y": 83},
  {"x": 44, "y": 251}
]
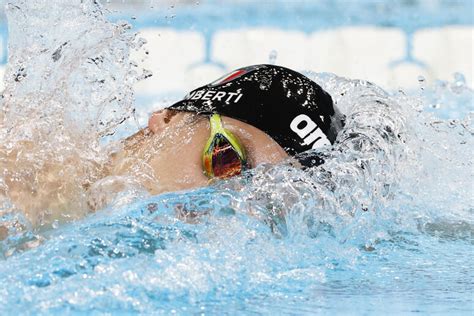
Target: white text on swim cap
[
  {"x": 310, "y": 132},
  {"x": 211, "y": 95}
]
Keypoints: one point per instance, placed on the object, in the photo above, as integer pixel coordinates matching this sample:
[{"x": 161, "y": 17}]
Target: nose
[{"x": 158, "y": 120}]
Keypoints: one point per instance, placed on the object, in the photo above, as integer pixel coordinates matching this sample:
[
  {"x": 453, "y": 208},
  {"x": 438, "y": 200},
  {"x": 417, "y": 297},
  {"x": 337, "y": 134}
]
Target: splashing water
[
  {"x": 68, "y": 83},
  {"x": 384, "y": 225}
]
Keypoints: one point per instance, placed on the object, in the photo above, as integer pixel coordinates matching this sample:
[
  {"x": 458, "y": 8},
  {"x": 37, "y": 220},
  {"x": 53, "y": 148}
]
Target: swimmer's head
[
  {"x": 174, "y": 147},
  {"x": 273, "y": 112},
  {"x": 292, "y": 109}
]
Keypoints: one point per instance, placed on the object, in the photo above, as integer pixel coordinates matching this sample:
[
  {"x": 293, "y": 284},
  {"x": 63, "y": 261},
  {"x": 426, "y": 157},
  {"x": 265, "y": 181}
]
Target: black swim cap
[{"x": 295, "y": 111}]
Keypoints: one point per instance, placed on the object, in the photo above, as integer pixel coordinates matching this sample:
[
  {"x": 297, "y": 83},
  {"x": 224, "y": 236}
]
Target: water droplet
[
  {"x": 147, "y": 73},
  {"x": 272, "y": 57},
  {"x": 459, "y": 79},
  {"x": 422, "y": 82}
]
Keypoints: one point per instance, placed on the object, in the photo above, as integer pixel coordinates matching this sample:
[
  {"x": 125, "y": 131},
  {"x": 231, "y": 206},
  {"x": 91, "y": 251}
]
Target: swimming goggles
[{"x": 223, "y": 155}]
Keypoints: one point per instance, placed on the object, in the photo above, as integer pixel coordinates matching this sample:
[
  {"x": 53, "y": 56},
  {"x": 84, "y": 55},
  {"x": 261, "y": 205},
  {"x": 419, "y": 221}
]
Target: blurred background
[{"x": 391, "y": 43}]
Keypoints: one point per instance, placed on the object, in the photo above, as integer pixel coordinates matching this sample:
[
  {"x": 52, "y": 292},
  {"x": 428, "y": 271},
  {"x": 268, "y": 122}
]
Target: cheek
[
  {"x": 187, "y": 168},
  {"x": 179, "y": 167}
]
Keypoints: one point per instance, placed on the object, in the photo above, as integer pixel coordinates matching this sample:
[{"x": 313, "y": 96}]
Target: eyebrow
[{"x": 169, "y": 116}]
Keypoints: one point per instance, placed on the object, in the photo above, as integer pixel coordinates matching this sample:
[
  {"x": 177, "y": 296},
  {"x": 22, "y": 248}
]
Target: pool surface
[{"x": 385, "y": 226}]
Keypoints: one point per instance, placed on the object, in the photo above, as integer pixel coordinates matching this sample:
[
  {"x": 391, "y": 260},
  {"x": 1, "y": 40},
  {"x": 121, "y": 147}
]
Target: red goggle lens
[{"x": 226, "y": 162}]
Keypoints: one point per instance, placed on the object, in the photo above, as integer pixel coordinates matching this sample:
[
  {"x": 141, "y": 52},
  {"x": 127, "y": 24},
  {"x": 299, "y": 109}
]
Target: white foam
[
  {"x": 2, "y": 74},
  {"x": 2, "y": 66}
]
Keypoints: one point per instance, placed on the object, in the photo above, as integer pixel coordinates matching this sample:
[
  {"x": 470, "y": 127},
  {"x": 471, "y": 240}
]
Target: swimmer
[{"x": 253, "y": 115}]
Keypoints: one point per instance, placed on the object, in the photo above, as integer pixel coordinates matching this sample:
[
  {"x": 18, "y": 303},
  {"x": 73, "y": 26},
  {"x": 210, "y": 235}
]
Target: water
[{"x": 384, "y": 226}]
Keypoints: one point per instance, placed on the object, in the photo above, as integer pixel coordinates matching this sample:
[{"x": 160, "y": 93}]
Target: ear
[{"x": 158, "y": 120}]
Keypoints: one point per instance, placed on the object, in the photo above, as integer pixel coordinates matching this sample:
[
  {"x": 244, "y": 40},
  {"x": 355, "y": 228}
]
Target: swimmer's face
[{"x": 168, "y": 154}]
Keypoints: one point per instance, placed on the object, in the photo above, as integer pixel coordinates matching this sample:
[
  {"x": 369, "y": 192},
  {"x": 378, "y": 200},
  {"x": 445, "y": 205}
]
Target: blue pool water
[{"x": 385, "y": 226}]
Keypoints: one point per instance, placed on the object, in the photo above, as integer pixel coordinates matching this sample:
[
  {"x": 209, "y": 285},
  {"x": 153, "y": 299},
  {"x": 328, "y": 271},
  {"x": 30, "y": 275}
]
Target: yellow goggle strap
[{"x": 218, "y": 128}]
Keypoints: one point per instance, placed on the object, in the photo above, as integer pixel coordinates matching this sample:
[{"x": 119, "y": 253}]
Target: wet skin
[{"x": 167, "y": 155}]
